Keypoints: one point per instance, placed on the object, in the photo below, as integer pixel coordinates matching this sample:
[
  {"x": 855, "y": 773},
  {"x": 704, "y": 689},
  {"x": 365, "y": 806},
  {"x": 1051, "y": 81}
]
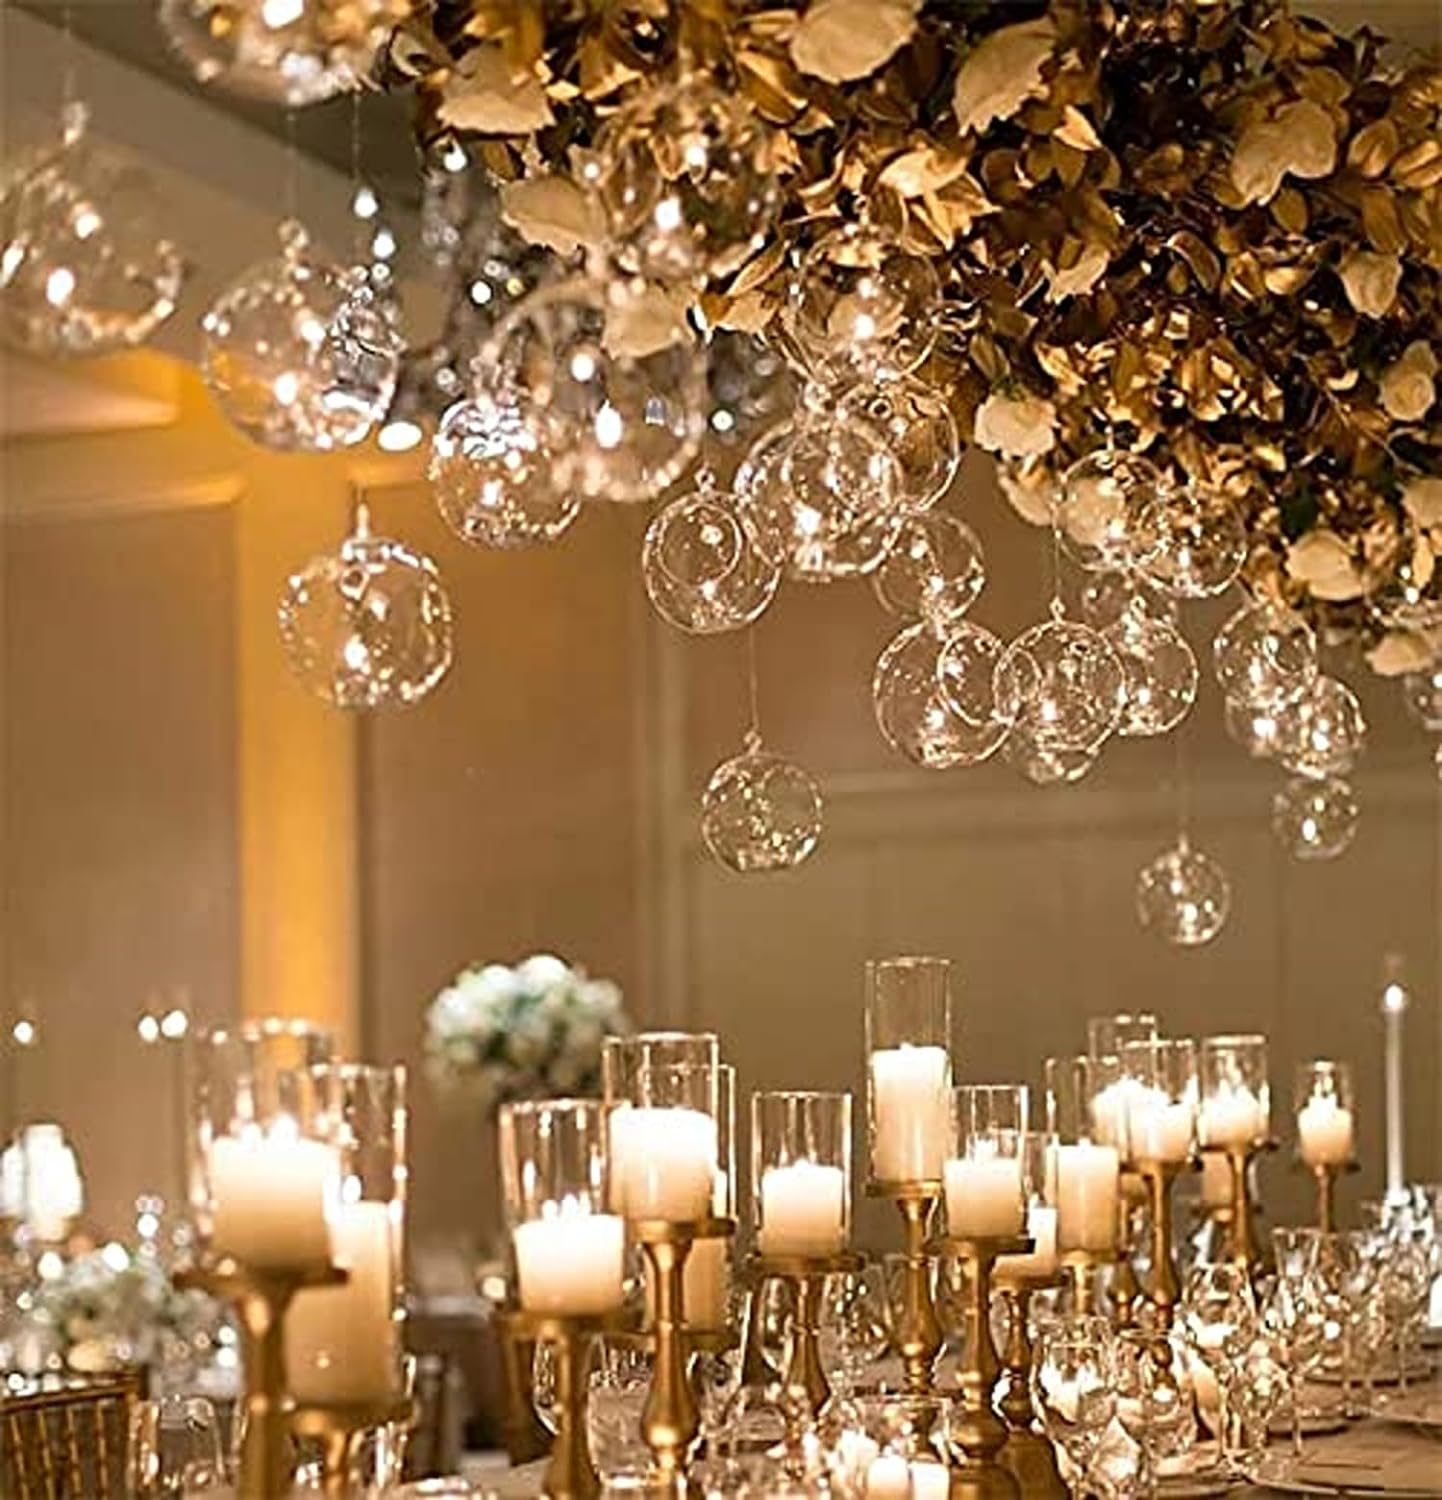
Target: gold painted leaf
[
  {"x": 1077, "y": 131},
  {"x": 1380, "y": 222},
  {"x": 1002, "y": 72},
  {"x": 487, "y": 95},
  {"x": 1373, "y": 147},
  {"x": 842, "y": 40},
  {"x": 1419, "y": 167},
  {"x": 1289, "y": 209}
]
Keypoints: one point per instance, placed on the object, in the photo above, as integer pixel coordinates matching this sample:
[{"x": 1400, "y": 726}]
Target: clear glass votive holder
[
  {"x": 569, "y": 1250},
  {"x": 801, "y": 1173},
  {"x": 986, "y": 1170},
  {"x": 1041, "y": 1263},
  {"x": 1161, "y": 1100},
  {"x": 1326, "y": 1113},
  {"x": 908, "y": 1074},
  {"x": 665, "y": 1142},
  {"x": 1235, "y": 1111},
  {"x": 1107, "y": 1035},
  {"x": 1083, "y": 1173}
]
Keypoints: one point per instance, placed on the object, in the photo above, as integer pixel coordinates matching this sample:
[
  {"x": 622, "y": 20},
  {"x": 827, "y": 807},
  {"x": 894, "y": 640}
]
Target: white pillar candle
[
  {"x": 910, "y": 1089},
  {"x": 41, "y": 1183},
  {"x": 984, "y": 1196},
  {"x": 888, "y": 1478},
  {"x": 1041, "y": 1262},
  {"x": 1086, "y": 1197},
  {"x": 272, "y": 1197},
  {"x": 1394, "y": 1006},
  {"x": 1158, "y": 1128},
  {"x": 342, "y": 1344},
  {"x": 663, "y": 1162},
  {"x": 930, "y": 1481},
  {"x": 1233, "y": 1116},
  {"x": 570, "y": 1261},
  {"x": 1108, "y": 1111},
  {"x": 803, "y": 1210},
  {"x": 1324, "y": 1132}
]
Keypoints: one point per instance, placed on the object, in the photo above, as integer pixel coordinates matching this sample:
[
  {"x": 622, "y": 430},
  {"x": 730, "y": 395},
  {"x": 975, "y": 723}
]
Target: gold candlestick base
[
  {"x": 1242, "y": 1248},
  {"x": 1325, "y": 1174},
  {"x": 1126, "y": 1288},
  {"x": 916, "y": 1333},
  {"x": 260, "y": 1299},
  {"x": 1165, "y": 1290},
  {"x": 340, "y": 1428},
  {"x": 1082, "y": 1267},
  {"x": 977, "y": 1430},
  {"x": 1028, "y": 1456},
  {"x": 806, "y": 1275}
]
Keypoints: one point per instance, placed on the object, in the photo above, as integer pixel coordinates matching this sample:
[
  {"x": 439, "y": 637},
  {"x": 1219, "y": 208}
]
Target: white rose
[
  {"x": 1031, "y": 488},
  {"x": 1400, "y": 652},
  {"x": 1371, "y": 281},
  {"x": 1001, "y": 73},
  {"x": 1018, "y": 426},
  {"x": 1406, "y": 386},
  {"x": 1301, "y": 140},
  {"x": 1422, "y": 500},
  {"x": 541, "y": 971},
  {"x": 1323, "y": 561}
]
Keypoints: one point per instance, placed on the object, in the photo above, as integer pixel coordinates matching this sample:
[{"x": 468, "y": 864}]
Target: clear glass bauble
[
  {"x": 933, "y": 572},
  {"x": 916, "y": 718},
  {"x": 686, "y": 178},
  {"x": 491, "y": 471},
  {"x": 1061, "y": 685},
  {"x": 1106, "y": 597},
  {"x": 1047, "y": 767},
  {"x": 1422, "y": 693},
  {"x": 752, "y": 388},
  {"x": 760, "y": 811},
  {"x": 291, "y": 52},
  {"x": 1315, "y": 819},
  {"x": 615, "y": 376},
  {"x": 368, "y": 626},
  {"x": 1254, "y": 729},
  {"x": 83, "y": 267},
  {"x": 1099, "y": 499},
  {"x": 1411, "y": 596},
  {"x": 1191, "y": 542},
  {"x": 861, "y": 306},
  {"x": 1322, "y": 733},
  {"x": 301, "y": 353},
  {"x": 916, "y": 423},
  {"x": 817, "y": 497},
  {"x": 966, "y": 670},
  {"x": 1161, "y": 674},
  {"x": 1264, "y": 656},
  {"x": 1183, "y": 896},
  {"x": 702, "y": 572}
]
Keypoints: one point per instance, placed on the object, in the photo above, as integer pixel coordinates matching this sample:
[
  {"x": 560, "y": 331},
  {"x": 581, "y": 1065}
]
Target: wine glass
[
  {"x": 1265, "y": 1385},
  {"x": 1155, "y": 1398},
  {"x": 1294, "y": 1312},
  {"x": 855, "y": 1332},
  {"x": 1073, "y": 1388},
  {"x": 1405, "y": 1281},
  {"x": 175, "y": 1448},
  {"x": 1220, "y": 1318}
]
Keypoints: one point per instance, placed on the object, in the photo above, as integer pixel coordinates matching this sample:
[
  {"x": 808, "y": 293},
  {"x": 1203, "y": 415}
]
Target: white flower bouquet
[{"x": 532, "y": 1031}]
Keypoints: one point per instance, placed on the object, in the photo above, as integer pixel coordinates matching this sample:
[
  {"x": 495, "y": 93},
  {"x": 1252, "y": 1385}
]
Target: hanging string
[
  {"x": 292, "y": 165},
  {"x": 1055, "y": 606},
  {"x": 753, "y": 690},
  {"x": 68, "y": 83},
  {"x": 358, "y": 230},
  {"x": 1182, "y": 788}
]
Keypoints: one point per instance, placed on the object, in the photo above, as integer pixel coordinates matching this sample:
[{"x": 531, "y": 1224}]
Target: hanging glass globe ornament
[
  {"x": 1422, "y": 693},
  {"x": 933, "y": 572},
  {"x": 916, "y": 423},
  {"x": 760, "y": 811},
  {"x": 491, "y": 470},
  {"x": 702, "y": 572},
  {"x": 1315, "y": 819},
  {"x": 292, "y": 52},
  {"x": 1161, "y": 674},
  {"x": 616, "y": 378},
  {"x": 368, "y": 626},
  {"x": 1099, "y": 500},
  {"x": 1061, "y": 685},
  {"x": 1264, "y": 656},
  {"x": 862, "y": 306},
  {"x": 1254, "y": 729},
  {"x": 917, "y": 719},
  {"x": 752, "y": 387},
  {"x": 301, "y": 353},
  {"x": 1322, "y": 733},
  {"x": 966, "y": 671},
  {"x": 1047, "y": 767},
  {"x": 686, "y": 176},
  {"x": 83, "y": 269},
  {"x": 1191, "y": 541},
  {"x": 1108, "y": 597},
  {"x": 1183, "y": 896}
]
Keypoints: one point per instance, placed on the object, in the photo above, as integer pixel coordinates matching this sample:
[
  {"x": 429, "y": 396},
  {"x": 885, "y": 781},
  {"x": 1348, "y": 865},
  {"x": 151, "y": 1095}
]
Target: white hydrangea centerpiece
[{"x": 528, "y": 1032}]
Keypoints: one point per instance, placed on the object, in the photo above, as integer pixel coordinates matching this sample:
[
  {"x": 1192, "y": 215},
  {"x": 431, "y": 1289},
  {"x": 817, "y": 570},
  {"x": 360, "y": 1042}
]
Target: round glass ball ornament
[
  {"x": 83, "y": 270},
  {"x": 760, "y": 811},
  {"x": 491, "y": 471},
  {"x": 1254, "y": 729},
  {"x": 916, "y": 718},
  {"x": 1315, "y": 819},
  {"x": 368, "y": 626},
  {"x": 1061, "y": 685},
  {"x": 291, "y": 52},
  {"x": 301, "y": 353},
  {"x": 1161, "y": 674},
  {"x": 1047, "y": 767},
  {"x": 861, "y": 306},
  {"x": 1264, "y": 656},
  {"x": 1099, "y": 499},
  {"x": 686, "y": 178},
  {"x": 1183, "y": 895},
  {"x": 916, "y": 424},
  {"x": 1107, "y": 598},
  {"x": 1191, "y": 542},
  {"x": 614, "y": 376},
  {"x": 933, "y": 572},
  {"x": 1322, "y": 733},
  {"x": 966, "y": 670},
  {"x": 1422, "y": 693},
  {"x": 702, "y": 572}
]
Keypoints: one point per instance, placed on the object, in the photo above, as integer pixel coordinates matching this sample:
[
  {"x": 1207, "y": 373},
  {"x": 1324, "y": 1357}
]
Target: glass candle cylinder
[
  {"x": 1083, "y": 1174},
  {"x": 343, "y": 1344},
  {"x": 985, "y": 1174},
  {"x": 1107, "y": 1035},
  {"x": 569, "y": 1251},
  {"x": 1109, "y": 1092},
  {"x": 1040, "y": 1263},
  {"x": 1161, "y": 1119},
  {"x": 664, "y": 1099},
  {"x": 1236, "y": 1098},
  {"x": 264, "y": 1168},
  {"x": 908, "y": 1095},
  {"x": 1326, "y": 1113},
  {"x": 801, "y": 1173}
]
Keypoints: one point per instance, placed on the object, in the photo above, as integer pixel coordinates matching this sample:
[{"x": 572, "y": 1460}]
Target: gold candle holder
[
  {"x": 916, "y": 1333},
  {"x": 1027, "y": 1454},
  {"x": 1166, "y": 1288},
  {"x": 339, "y": 1430},
  {"x": 756, "y": 1368},
  {"x": 260, "y": 1299},
  {"x": 1126, "y": 1288},
  {"x": 1325, "y": 1176},
  {"x": 806, "y": 1275},
  {"x": 977, "y": 1430},
  {"x": 1242, "y": 1248}
]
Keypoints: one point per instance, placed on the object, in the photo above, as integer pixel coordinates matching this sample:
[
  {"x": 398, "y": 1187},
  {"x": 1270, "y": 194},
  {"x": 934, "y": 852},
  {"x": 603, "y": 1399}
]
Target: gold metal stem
[
  {"x": 1028, "y": 1456},
  {"x": 1326, "y": 1193},
  {"x": 671, "y": 1419},
  {"x": 570, "y": 1474},
  {"x": 1243, "y": 1246},
  {"x": 917, "y": 1337},
  {"x": 1082, "y": 1266},
  {"x": 805, "y": 1371},
  {"x": 1166, "y": 1288},
  {"x": 756, "y": 1369}
]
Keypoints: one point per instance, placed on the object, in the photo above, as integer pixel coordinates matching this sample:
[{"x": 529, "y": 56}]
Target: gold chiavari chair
[{"x": 68, "y": 1442}]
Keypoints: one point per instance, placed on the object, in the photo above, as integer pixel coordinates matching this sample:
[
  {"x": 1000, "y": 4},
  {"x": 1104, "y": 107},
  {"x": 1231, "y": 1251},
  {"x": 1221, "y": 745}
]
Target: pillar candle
[
  {"x": 930, "y": 1481},
  {"x": 888, "y": 1478},
  {"x": 803, "y": 1210},
  {"x": 1394, "y": 1006},
  {"x": 1233, "y": 1116},
  {"x": 1159, "y": 1129},
  {"x": 1087, "y": 1178},
  {"x": 1041, "y": 1263},
  {"x": 342, "y": 1343},
  {"x": 1324, "y": 1132},
  {"x": 1108, "y": 1111},
  {"x": 984, "y": 1196},
  {"x": 272, "y": 1197},
  {"x": 569, "y": 1261},
  {"x": 911, "y": 1107},
  {"x": 663, "y": 1162}
]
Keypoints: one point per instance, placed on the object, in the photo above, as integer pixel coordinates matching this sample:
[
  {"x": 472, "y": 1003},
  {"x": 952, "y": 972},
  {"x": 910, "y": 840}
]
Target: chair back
[{"x": 67, "y": 1439}]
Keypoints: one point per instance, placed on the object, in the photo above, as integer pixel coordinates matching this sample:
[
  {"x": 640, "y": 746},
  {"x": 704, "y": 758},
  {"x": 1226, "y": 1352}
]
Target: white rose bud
[
  {"x": 1018, "y": 426},
  {"x": 1406, "y": 386}
]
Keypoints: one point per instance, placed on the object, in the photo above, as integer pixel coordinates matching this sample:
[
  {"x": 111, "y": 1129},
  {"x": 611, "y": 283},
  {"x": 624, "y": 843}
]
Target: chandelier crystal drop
[
  {"x": 1183, "y": 896},
  {"x": 1422, "y": 693},
  {"x": 760, "y": 811},
  {"x": 1321, "y": 734},
  {"x": 1190, "y": 542},
  {"x": 1161, "y": 674},
  {"x": 915, "y": 422},
  {"x": 1047, "y": 767},
  {"x": 1106, "y": 598}
]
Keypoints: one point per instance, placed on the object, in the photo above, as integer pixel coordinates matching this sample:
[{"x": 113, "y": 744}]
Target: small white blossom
[
  {"x": 1019, "y": 426},
  {"x": 1371, "y": 281},
  {"x": 1406, "y": 386},
  {"x": 1323, "y": 561},
  {"x": 1422, "y": 500},
  {"x": 1301, "y": 141}
]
